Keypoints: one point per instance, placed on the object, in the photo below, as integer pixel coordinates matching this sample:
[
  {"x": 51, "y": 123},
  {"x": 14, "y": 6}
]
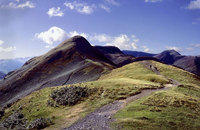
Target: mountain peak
[
  {"x": 169, "y": 56},
  {"x": 76, "y": 40},
  {"x": 67, "y": 63},
  {"x": 172, "y": 52}
]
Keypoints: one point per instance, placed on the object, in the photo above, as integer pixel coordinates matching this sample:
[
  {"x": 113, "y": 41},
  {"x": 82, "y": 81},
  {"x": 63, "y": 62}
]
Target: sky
[{"x": 33, "y": 27}]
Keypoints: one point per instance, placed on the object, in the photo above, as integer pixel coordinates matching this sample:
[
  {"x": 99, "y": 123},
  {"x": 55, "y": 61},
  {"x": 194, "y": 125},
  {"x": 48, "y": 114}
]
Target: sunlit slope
[
  {"x": 119, "y": 84},
  {"x": 176, "y": 108}
]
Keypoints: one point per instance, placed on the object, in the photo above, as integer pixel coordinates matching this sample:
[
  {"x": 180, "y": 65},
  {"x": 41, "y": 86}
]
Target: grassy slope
[
  {"x": 177, "y": 108},
  {"x": 118, "y": 84}
]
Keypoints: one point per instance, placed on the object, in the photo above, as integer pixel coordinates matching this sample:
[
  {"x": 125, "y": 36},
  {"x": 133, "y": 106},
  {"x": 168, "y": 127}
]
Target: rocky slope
[
  {"x": 115, "y": 55},
  {"x": 73, "y": 61}
]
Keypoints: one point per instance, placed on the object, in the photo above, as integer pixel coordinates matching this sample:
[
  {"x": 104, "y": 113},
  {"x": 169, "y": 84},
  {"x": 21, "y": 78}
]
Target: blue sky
[{"x": 32, "y": 27}]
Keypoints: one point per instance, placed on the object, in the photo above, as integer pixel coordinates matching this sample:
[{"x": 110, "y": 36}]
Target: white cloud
[
  {"x": 49, "y": 46},
  {"x": 195, "y": 45},
  {"x": 55, "y": 12},
  {"x": 153, "y": 1},
  {"x": 1, "y": 42},
  {"x": 174, "y": 48},
  {"x": 146, "y": 49},
  {"x": 113, "y": 2},
  {"x": 54, "y": 34},
  {"x": 102, "y": 38},
  {"x": 82, "y": 8},
  {"x": 107, "y": 9},
  {"x": 195, "y": 4},
  {"x": 123, "y": 42},
  {"x": 8, "y": 49},
  {"x": 75, "y": 33},
  {"x": 69, "y": 5},
  {"x": 27, "y": 4}
]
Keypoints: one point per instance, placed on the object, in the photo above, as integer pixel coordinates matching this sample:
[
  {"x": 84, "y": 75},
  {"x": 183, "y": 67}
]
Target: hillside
[
  {"x": 175, "y": 104},
  {"x": 73, "y": 61},
  {"x": 115, "y": 55},
  {"x": 172, "y": 57},
  {"x": 188, "y": 63}
]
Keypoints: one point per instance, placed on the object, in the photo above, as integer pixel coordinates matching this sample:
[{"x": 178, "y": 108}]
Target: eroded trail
[{"x": 101, "y": 118}]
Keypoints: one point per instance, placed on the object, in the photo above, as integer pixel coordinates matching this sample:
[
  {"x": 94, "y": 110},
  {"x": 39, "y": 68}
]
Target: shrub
[
  {"x": 1, "y": 112},
  {"x": 40, "y": 123},
  {"x": 15, "y": 121},
  {"x": 68, "y": 95}
]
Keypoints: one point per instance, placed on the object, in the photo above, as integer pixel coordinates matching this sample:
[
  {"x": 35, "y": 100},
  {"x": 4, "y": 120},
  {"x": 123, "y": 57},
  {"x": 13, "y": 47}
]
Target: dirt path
[
  {"x": 154, "y": 69},
  {"x": 101, "y": 118}
]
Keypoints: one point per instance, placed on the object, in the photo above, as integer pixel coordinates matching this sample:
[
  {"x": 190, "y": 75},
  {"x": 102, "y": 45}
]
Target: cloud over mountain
[
  {"x": 53, "y": 34},
  {"x": 122, "y": 41}
]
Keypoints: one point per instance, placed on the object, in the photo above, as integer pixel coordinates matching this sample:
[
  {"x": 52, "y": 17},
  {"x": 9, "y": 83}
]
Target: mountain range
[
  {"x": 79, "y": 86},
  {"x": 72, "y": 58},
  {"x": 188, "y": 63},
  {"x": 172, "y": 57}
]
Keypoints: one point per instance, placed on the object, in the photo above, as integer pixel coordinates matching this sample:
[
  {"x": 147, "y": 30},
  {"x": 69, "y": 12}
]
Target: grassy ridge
[
  {"x": 177, "y": 108},
  {"x": 118, "y": 84},
  {"x": 110, "y": 87}
]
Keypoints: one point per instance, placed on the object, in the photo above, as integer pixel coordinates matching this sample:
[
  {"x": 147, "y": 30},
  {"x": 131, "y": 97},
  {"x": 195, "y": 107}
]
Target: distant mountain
[
  {"x": 188, "y": 63},
  {"x": 137, "y": 53},
  {"x": 7, "y": 65},
  {"x": 169, "y": 56},
  {"x": 73, "y": 61},
  {"x": 1, "y": 75},
  {"x": 115, "y": 55}
]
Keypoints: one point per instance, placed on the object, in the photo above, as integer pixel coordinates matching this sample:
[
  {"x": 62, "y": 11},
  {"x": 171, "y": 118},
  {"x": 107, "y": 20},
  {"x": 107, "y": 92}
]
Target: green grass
[
  {"x": 180, "y": 75},
  {"x": 135, "y": 71},
  {"x": 175, "y": 109},
  {"x": 119, "y": 84},
  {"x": 162, "y": 110}
]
